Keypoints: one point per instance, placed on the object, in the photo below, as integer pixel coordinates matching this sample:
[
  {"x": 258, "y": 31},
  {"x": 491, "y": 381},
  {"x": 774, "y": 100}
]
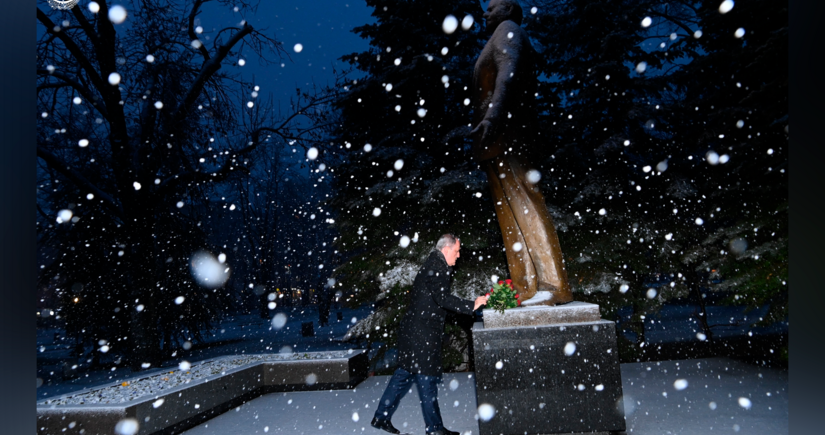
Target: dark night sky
[{"x": 322, "y": 27}]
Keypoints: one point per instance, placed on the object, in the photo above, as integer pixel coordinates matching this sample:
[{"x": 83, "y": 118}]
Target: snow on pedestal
[{"x": 572, "y": 312}]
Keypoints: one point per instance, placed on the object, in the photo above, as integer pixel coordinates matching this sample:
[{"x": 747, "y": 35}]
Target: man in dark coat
[{"x": 420, "y": 336}]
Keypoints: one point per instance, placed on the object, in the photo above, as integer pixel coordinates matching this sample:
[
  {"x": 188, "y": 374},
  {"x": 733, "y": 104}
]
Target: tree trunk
[
  {"x": 141, "y": 272},
  {"x": 694, "y": 284}
]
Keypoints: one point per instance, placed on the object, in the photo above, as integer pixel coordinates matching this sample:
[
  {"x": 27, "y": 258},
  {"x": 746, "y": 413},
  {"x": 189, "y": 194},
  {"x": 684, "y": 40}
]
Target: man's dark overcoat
[{"x": 422, "y": 327}]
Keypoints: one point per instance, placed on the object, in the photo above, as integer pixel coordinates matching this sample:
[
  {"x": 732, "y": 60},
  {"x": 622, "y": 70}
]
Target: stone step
[{"x": 181, "y": 407}]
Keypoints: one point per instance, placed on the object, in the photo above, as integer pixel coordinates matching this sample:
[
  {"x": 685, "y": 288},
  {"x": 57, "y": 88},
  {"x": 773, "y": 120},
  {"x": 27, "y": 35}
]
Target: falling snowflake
[
  {"x": 311, "y": 379},
  {"x": 279, "y": 320},
  {"x": 450, "y": 24},
  {"x": 64, "y": 215},
  {"x": 127, "y": 426},
  {"x": 207, "y": 270},
  {"x": 467, "y": 22},
  {"x": 726, "y": 6},
  {"x": 117, "y": 14},
  {"x": 486, "y": 412}
]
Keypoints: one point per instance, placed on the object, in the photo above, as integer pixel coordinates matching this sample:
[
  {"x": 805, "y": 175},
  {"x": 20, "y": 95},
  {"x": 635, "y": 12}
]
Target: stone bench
[{"x": 183, "y": 406}]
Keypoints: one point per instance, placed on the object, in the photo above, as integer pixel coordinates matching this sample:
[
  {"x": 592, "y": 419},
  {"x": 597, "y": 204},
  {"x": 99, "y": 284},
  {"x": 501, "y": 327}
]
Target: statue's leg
[
  {"x": 522, "y": 271},
  {"x": 536, "y": 224}
]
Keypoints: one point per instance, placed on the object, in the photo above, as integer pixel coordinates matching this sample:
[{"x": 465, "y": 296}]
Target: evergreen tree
[
  {"x": 663, "y": 149},
  {"x": 408, "y": 176}
]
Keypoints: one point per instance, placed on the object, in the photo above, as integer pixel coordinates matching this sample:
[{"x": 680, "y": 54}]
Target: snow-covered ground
[{"x": 687, "y": 397}]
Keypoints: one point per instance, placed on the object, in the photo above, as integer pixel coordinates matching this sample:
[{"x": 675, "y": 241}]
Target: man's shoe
[
  {"x": 443, "y": 431},
  {"x": 384, "y": 425}
]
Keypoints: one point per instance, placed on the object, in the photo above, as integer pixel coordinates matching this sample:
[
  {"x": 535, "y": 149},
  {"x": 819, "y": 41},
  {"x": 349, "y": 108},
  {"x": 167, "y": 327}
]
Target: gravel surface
[{"x": 155, "y": 384}]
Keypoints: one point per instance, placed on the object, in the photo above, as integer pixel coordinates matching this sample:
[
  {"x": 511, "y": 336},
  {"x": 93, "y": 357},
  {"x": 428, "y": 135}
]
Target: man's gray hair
[{"x": 445, "y": 240}]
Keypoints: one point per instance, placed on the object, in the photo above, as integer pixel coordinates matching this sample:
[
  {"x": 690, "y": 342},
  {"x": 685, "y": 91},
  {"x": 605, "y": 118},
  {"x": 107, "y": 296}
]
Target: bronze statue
[{"x": 504, "y": 83}]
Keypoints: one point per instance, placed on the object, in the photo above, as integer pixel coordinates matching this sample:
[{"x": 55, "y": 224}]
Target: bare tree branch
[
  {"x": 147, "y": 115},
  {"x": 209, "y": 68},
  {"x": 53, "y": 86},
  {"x": 87, "y": 27},
  {"x": 673, "y": 20},
  {"x": 84, "y": 62},
  {"x": 78, "y": 179},
  {"x": 70, "y": 81},
  {"x": 192, "y": 35}
]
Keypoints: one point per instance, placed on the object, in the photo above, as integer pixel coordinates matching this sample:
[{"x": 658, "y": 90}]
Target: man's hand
[{"x": 481, "y": 300}]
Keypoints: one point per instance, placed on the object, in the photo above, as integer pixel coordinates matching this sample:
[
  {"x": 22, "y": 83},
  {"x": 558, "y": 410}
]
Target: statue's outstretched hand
[{"x": 486, "y": 129}]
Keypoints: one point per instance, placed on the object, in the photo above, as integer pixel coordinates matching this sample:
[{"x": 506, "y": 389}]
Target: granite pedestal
[{"x": 548, "y": 370}]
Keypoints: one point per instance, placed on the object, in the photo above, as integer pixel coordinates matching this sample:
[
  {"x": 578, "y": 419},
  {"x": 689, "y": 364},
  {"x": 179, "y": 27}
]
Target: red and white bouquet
[{"x": 502, "y": 296}]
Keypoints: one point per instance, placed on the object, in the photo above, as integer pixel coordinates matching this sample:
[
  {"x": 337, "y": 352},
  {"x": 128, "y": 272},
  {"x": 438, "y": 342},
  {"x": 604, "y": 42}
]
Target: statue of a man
[{"x": 504, "y": 83}]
